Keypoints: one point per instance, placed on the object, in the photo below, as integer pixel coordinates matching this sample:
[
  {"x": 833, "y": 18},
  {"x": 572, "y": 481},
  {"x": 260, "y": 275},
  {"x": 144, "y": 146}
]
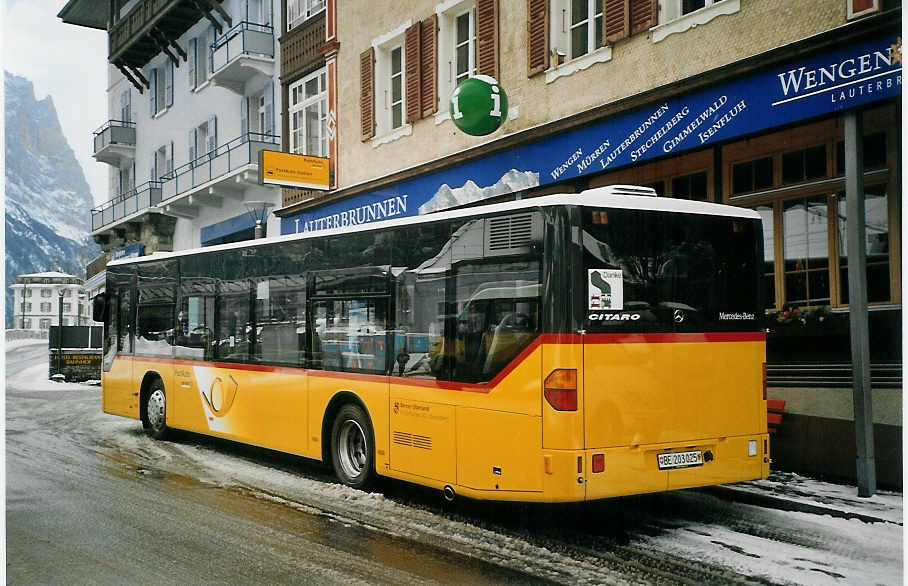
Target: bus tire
[
  {"x": 353, "y": 447},
  {"x": 156, "y": 411}
]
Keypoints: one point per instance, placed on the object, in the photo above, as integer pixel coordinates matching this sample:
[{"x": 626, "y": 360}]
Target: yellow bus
[{"x": 560, "y": 348}]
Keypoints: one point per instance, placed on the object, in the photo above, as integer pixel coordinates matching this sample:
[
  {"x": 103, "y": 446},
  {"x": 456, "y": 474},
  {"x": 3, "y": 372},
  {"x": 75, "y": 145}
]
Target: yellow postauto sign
[{"x": 290, "y": 170}]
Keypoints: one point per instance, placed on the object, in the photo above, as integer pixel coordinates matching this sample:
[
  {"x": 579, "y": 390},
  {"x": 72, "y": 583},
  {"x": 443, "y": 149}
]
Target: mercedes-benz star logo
[{"x": 679, "y": 316}]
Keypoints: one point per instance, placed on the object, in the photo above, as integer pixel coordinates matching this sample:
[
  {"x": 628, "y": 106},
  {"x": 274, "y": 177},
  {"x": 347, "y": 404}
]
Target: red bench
[{"x": 774, "y": 410}]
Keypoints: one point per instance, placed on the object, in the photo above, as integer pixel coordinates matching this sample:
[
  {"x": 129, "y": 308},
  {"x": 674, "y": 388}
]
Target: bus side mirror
[{"x": 99, "y": 307}]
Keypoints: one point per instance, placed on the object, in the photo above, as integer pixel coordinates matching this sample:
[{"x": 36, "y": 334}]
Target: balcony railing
[
  {"x": 242, "y": 52},
  {"x": 143, "y": 197},
  {"x": 114, "y": 140},
  {"x": 236, "y": 154},
  {"x": 129, "y": 36}
]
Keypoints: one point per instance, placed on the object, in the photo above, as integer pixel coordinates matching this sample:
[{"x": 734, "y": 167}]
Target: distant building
[
  {"x": 191, "y": 102},
  {"x": 37, "y": 299}
]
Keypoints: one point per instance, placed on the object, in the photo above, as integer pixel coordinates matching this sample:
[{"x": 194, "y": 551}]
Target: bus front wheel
[
  {"x": 156, "y": 411},
  {"x": 352, "y": 447}
]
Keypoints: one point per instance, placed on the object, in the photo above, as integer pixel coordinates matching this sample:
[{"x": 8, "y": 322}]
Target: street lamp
[
  {"x": 60, "y": 292},
  {"x": 258, "y": 211}
]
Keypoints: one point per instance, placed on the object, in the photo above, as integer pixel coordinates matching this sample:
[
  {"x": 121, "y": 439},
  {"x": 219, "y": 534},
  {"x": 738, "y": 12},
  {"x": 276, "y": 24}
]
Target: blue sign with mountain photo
[{"x": 847, "y": 77}]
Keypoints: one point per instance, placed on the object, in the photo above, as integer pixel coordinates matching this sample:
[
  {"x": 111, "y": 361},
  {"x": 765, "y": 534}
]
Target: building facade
[
  {"x": 192, "y": 101},
  {"x": 39, "y": 297},
  {"x": 741, "y": 102}
]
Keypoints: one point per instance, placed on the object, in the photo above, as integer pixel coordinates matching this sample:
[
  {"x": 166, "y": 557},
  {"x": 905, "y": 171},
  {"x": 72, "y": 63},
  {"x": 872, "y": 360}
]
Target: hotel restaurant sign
[{"x": 847, "y": 77}]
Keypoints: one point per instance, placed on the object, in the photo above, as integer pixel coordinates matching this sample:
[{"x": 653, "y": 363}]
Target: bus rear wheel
[
  {"x": 352, "y": 447},
  {"x": 156, "y": 411}
]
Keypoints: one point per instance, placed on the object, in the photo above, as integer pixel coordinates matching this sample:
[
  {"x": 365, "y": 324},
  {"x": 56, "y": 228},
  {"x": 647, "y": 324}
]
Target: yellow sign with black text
[{"x": 291, "y": 170}]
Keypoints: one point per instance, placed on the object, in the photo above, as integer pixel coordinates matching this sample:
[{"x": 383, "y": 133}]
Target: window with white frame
[
  {"x": 46, "y": 307},
  {"x": 44, "y": 323},
  {"x": 456, "y": 44},
  {"x": 125, "y": 106},
  {"x": 27, "y": 324},
  {"x": 27, "y": 293},
  {"x": 26, "y": 307},
  {"x": 126, "y": 179},
  {"x": 308, "y": 112},
  {"x": 162, "y": 163},
  {"x": 198, "y": 57},
  {"x": 160, "y": 94},
  {"x": 203, "y": 140},
  {"x": 390, "y": 110},
  {"x": 67, "y": 293},
  {"x": 298, "y": 11},
  {"x": 46, "y": 293},
  {"x": 67, "y": 307},
  {"x": 576, "y": 29},
  {"x": 670, "y": 10}
]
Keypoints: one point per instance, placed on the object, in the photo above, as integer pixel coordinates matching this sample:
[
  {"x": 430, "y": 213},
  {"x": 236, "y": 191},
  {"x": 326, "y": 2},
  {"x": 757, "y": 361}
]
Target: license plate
[{"x": 680, "y": 460}]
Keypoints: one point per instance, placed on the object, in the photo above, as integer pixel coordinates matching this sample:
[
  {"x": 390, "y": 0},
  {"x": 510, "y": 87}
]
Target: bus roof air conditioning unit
[{"x": 630, "y": 190}]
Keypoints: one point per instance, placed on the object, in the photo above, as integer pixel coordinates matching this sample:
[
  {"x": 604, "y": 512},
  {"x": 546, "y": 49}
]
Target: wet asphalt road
[
  {"x": 80, "y": 511},
  {"x": 92, "y": 500}
]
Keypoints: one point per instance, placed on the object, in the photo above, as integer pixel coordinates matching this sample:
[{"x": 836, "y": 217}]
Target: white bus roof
[{"x": 612, "y": 196}]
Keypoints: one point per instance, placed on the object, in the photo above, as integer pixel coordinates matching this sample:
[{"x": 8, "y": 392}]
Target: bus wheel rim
[
  {"x": 156, "y": 404},
  {"x": 352, "y": 448}
]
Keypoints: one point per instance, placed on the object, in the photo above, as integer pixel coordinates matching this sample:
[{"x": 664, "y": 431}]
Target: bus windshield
[{"x": 652, "y": 271}]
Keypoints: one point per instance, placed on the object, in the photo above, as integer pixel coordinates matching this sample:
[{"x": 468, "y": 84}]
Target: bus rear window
[{"x": 656, "y": 271}]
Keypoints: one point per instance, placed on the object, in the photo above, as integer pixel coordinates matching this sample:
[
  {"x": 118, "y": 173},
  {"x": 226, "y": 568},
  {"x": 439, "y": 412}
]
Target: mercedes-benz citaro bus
[{"x": 560, "y": 348}]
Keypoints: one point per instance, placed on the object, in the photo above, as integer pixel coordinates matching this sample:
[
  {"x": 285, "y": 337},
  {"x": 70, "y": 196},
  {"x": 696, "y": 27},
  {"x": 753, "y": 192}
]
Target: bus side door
[{"x": 119, "y": 389}]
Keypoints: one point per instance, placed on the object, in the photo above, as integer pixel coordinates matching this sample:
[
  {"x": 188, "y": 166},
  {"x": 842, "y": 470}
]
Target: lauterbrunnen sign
[{"x": 848, "y": 77}]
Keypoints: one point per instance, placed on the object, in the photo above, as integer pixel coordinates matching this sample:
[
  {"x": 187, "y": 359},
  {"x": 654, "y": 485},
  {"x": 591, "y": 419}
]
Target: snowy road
[{"x": 91, "y": 499}]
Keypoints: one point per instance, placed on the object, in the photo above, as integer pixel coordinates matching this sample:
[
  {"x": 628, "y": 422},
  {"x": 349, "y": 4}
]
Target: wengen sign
[{"x": 849, "y": 76}]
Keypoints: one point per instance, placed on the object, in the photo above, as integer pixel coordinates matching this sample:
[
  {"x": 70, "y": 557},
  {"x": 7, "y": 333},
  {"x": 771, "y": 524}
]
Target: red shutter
[
  {"x": 641, "y": 15},
  {"x": 617, "y": 24},
  {"x": 537, "y": 36},
  {"x": 487, "y": 37},
  {"x": 429, "y": 61},
  {"x": 413, "y": 66},
  {"x": 367, "y": 93}
]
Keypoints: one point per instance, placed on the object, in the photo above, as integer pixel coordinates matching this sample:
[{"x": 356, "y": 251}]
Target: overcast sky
[{"x": 67, "y": 62}]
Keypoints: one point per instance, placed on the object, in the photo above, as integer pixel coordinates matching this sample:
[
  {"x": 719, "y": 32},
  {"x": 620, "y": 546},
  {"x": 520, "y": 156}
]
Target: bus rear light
[
  {"x": 561, "y": 389},
  {"x": 598, "y": 463},
  {"x": 764, "y": 381}
]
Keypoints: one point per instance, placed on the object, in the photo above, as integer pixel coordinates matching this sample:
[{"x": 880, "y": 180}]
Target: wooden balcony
[{"x": 153, "y": 26}]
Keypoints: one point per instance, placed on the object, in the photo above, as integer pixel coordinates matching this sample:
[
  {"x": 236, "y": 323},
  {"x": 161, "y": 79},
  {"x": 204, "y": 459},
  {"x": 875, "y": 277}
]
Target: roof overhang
[{"x": 88, "y": 13}]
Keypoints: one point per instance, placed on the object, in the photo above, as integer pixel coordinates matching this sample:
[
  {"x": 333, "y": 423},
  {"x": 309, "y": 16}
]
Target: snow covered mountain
[{"x": 48, "y": 202}]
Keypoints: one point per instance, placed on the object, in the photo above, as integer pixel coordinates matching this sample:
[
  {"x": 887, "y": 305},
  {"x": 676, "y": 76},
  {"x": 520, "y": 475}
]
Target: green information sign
[{"x": 478, "y": 105}]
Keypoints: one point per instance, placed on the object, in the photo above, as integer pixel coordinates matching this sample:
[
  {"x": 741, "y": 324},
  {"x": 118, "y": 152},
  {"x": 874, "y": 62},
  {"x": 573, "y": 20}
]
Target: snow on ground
[
  {"x": 34, "y": 377},
  {"x": 785, "y": 547},
  {"x": 852, "y": 551},
  {"x": 793, "y": 487}
]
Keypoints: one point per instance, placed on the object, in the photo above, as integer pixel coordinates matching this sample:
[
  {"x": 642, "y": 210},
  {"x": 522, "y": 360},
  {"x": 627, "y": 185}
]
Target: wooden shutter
[
  {"x": 487, "y": 37},
  {"x": 412, "y": 60},
  {"x": 537, "y": 36},
  {"x": 428, "y": 75},
  {"x": 212, "y": 136},
  {"x": 152, "y": 92},
  {"x": 642, "y": 13},
  {"x": 190, "y": 53},
  {"x": 168, "y": 81},
  {"x": 269, "y": 110},
  {"x": 367, "y": 93},
  {"x": 244, "y": 118},
  {"x": 192, "y": 150},
  {"x": 616, "y": 16}
]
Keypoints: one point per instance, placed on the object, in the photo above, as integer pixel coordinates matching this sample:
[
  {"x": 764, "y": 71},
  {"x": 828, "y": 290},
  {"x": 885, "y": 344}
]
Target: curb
[{"x": 731, "y": 494}]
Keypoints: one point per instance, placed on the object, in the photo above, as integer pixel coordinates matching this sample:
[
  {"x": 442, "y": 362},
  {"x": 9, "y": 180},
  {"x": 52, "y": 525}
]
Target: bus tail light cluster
[{"x": 561, "y": 389}]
